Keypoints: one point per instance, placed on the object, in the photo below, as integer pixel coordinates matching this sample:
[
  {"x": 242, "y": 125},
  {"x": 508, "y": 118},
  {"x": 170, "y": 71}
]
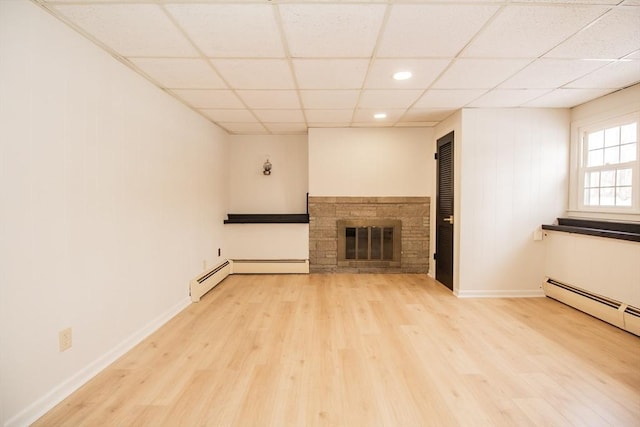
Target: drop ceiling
[{"x": 280, "y": 67}]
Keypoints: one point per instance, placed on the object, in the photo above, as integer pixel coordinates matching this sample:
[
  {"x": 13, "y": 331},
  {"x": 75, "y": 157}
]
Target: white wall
[
  {"x": 607, "y": 267},
  {"x": 612, "y": 105},
  {"x": 112, "y": 197},
  {"x": 371, "y": 162},
  {"x": 267, "y": 241},
  {"x": 514, "y": 166},
  {"x": 284, "y": 191}
]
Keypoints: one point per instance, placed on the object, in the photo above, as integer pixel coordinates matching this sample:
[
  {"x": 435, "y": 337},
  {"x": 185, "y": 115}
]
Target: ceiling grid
[{"x": 282, "y": 66}]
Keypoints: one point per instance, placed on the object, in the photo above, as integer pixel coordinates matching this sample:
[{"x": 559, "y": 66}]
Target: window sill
[
  {"x": 609, "y": 229},
  {"x": 604, "y": 216}
]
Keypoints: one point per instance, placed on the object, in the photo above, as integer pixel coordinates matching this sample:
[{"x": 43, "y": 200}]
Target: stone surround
[{"x": 324, "y": 213}]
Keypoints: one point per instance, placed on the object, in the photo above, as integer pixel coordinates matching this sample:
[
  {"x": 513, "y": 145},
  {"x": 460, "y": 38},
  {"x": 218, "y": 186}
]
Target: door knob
[{"x": 449, "y": 219}]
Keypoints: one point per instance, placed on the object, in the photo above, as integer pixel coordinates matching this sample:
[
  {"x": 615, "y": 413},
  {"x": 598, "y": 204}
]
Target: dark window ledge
[
  {"x": 610, "y": 229},
  {"x": 267, "y": 219}
]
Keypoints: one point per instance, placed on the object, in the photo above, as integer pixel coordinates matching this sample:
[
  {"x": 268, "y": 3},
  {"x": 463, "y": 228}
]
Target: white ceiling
[{"x": 281, "y": 66}]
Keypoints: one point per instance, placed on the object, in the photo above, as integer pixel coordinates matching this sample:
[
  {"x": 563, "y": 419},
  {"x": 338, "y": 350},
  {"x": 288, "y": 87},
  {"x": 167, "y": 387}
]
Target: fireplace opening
[{"x": 369, "y": 241}]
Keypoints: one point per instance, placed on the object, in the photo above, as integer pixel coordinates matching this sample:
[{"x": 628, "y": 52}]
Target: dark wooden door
[{"x": 444, "y": 212}]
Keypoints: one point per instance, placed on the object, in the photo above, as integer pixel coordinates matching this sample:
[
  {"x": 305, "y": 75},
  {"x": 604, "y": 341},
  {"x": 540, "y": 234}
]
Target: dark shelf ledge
[
  {"x": 609, "y": 229},
  {"x": 267, "y": 219}
]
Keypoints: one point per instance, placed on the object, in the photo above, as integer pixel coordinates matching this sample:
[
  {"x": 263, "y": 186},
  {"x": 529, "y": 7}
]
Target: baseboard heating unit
[
  {"x": 209, "y": 279},
  {"x": 203, "y": 284},
  {"x": 611, "y": 311},
  {"x": 270, "y": 266}
]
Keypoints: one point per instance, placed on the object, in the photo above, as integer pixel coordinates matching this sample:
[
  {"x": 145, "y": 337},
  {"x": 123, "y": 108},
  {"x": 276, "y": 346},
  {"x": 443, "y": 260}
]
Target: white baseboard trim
[
  {"x": 41, "y": 406},
  {"x": 266, "y": 266},
  {"x": 499, "y": 293}
]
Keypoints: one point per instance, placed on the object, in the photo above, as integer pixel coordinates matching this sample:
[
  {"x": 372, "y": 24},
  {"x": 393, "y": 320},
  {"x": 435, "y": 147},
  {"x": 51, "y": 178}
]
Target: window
[{"x": 609, "y": 166}]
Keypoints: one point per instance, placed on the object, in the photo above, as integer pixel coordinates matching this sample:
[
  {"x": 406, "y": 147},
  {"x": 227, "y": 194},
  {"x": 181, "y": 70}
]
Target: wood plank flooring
[{"x": 366, "y": 350}]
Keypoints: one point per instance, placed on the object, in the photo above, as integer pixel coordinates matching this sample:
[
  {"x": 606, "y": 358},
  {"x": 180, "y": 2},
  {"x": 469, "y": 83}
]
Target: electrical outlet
[
  {"x": 219, "y": 251},
  {"x": 64, "y": 339},
  {"x": 537, "y": 235}
]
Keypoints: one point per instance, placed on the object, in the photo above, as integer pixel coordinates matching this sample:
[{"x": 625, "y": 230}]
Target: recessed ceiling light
[
  {"x": 380, "y": 116},
  {"x": 402, "y": 75}
]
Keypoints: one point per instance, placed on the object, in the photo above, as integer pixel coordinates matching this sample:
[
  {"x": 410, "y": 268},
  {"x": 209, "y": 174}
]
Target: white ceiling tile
[
  {"x": 320, "y": 31},
  {"x": 287, "y": 128},
  {"x": 199, "y": 98},
  {"x": 270, "y": 99},
  {"x": 431, "y": 30},
  {"x": 329, "y": 116},
  {"x": 633, "y": 55},
  {"x": 615, "y": 75},
  {"x": 364, "y": 115},
  {"x": 270, "y": 58},
  {"x": 567, "y": 98},
  {"x": 329, "y": 125},
  {"x": 382, "y": 98},
  {"x": 435, "y": 98},
  {"x": 244, "y": 128},
  {"x": 631, "y": 3},
  {"x": 330, "y": 73},
  {"x": 329, "y": 1},
  {"x": 280, "y": 116},
  {"x": 231, "y": 30},
  {"x": 550, "y": 73},
  {"x": 427, "y": 114},
  {"x": 96, "y": 1},
  {"x": 479, "y": 73},
  {"x": 130, "y": 29},
  {"x": 506, "y": 98},
  {"x": 255, "y": 73},
  {"x": 424, "y": 71},
  {"x": 180, "y": 73},
  {"x": 229, "y": 116},
  {"x": 415, "y": 124},
  {"x": 613, "y": 36},
  {"x": 328, "y": 99},
  {"x": 611, "y": 2},
  {"x": 527, "y": 31},
  {"x": 370, "y": 124}
]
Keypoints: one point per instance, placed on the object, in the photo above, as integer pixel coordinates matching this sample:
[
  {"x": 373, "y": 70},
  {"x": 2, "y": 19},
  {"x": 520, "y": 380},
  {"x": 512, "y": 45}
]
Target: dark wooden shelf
[
  {"x": 609, "y": 229},
  {"x": 267, "y": 219}
]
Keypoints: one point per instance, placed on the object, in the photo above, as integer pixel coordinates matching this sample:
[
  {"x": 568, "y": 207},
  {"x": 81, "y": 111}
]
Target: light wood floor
[{"x": 366, "y": 350}]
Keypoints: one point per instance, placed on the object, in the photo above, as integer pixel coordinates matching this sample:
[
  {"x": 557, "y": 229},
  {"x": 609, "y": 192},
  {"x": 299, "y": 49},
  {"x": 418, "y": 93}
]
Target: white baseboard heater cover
[
  {"x": 203, "y": 284},
  {"x": 270, "y": 266},
  {"x": 208, "y": 280},
  {"x": 611, "y": 311}
]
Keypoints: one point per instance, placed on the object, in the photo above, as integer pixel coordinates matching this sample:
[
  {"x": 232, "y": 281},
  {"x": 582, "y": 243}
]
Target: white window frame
[{"x": 579, "y": 153}]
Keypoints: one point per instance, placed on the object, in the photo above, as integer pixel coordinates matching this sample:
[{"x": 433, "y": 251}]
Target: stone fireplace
[{"x": 369, "y": 234}]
